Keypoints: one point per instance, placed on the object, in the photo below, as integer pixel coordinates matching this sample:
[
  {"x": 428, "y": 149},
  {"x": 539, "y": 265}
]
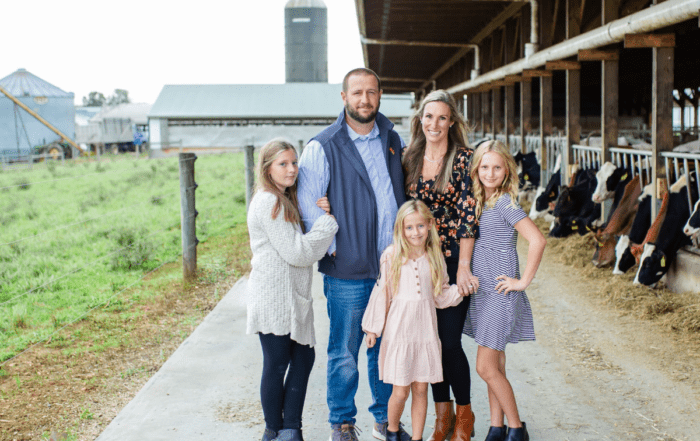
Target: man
[{"x": 356, "y": 162}]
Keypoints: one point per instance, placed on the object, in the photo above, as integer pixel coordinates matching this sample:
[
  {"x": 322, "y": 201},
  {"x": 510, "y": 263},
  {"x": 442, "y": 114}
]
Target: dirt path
[
  {"x": 591, "y": 375},
  {"x": 601, "y": 375}
]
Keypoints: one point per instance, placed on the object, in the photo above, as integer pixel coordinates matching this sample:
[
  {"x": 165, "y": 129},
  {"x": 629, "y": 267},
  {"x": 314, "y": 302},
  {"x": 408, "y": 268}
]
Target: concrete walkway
[{"x": 209, "y": 388}]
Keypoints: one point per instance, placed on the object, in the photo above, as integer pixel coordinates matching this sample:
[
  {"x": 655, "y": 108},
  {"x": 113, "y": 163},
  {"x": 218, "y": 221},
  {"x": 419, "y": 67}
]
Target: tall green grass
[{"x": 74, "y": 235}]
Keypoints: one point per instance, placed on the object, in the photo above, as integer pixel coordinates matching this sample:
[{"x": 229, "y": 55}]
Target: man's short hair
[{"x": 360, "y": 71}]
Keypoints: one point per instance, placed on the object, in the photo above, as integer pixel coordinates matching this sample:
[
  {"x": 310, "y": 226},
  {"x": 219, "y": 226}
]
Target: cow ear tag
[
  {"x": 663, "y": 261},
  {"x": 574, "y": 227},
  {"x": 623, "y": 177},
  {"x": 526, "y": 177}
]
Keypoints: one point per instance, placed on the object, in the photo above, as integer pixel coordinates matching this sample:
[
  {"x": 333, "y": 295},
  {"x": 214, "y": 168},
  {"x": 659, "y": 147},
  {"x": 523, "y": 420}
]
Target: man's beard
[{"x": 359, "y": 118}]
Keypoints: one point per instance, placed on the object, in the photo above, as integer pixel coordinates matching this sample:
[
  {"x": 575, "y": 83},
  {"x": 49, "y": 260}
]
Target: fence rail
[
  {"x": 638, "y": 161},
  {"x": 682, "y": 164},
  {"x": 26, "y": 160}
]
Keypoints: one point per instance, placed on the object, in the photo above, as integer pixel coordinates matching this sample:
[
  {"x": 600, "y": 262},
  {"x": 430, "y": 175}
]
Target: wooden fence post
[
  {"x": 188, "y": 213},
  {"x": 249, "y": 174}
]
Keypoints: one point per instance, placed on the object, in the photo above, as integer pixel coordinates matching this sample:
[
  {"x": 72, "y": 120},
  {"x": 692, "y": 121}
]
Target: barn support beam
[
  {"x": 486, "y": 106},
  {"x": 573, "y": 92},
  {"x": 609, "y": 107},
  {"x": 545, "y": 122},
  {"x": 496, "y": 115},
  {"x": 476, "y": 112},
  {"x": 573, "y": 122},
  {"x": 659, "y": 16},
  {"x": 525, "y": 111},
  {"x": 661, "y": 117},
  {"x": 509, "y": 126}
]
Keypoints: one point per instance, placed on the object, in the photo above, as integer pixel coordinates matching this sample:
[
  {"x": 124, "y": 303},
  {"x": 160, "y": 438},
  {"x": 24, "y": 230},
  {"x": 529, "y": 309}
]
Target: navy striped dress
[{"x": 496, "y": 319}]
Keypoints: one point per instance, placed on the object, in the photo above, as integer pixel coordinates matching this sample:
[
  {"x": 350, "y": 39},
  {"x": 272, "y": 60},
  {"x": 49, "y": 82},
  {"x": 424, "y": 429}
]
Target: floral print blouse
[{"x": 453, "y": 209}]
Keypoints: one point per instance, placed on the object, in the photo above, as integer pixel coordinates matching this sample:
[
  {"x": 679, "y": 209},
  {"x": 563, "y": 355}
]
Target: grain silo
[
  {"x": 306, "y": 40},
  {"x": 19, "y": 131}
]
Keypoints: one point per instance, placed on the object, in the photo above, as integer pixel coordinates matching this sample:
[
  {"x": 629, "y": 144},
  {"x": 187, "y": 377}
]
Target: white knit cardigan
[{"x": 279, "y": 287}]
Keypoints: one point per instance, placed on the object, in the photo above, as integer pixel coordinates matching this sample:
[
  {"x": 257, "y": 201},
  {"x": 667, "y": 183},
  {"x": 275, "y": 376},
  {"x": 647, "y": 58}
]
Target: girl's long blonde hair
[
  {"x": 510, "y": 181},
  {"x": 433, "y": 250},
  {"x": 415, "y": 151},
  {"x": 287, "y": 200}
]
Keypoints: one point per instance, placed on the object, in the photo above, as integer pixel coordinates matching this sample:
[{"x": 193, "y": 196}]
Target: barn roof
[
  {"x": 291, "y": 100},
  {"x": 23, "y": 83},
  {"x": 409, "y": 43},
  {"x": 136, "y": 112}
]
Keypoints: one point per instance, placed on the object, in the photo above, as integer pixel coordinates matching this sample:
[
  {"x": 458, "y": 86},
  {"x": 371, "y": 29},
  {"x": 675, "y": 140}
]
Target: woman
[
  {"x": 279, "y": 289},
  {"x": 436, "y": 167}
]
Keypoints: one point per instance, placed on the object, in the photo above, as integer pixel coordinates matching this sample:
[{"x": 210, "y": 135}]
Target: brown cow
[{"x": 620, "y": 223}]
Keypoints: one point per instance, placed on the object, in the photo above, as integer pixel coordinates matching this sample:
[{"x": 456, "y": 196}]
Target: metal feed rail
[{"x": 626, "y": 158}]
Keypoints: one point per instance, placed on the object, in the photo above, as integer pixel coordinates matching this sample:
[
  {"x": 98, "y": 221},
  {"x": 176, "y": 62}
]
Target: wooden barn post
[
  {"x": 573, "y": 94},
  {"x": 496, "y": 106},
  {"x": 662, "y": 47},
  {"x": 188, "y": 213}
]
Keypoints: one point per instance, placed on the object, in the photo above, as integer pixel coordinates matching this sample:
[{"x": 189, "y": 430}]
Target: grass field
[{"x": 73, "y": 236}]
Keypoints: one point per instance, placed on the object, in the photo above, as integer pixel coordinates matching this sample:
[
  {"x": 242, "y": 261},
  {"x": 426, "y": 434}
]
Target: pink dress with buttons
[{"x": 410, "y": 348}]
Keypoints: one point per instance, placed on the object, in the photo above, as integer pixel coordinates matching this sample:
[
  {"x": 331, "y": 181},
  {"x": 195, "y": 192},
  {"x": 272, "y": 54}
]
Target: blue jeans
[{"x": 346, "y": 303}]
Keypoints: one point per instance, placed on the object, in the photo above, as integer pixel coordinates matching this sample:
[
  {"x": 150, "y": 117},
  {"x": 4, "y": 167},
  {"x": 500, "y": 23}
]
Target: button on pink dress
[{"x": 410, "y": 348}]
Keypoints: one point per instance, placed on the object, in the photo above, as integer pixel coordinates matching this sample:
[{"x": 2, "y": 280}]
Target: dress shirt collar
[{"x": 354, "y": 136}]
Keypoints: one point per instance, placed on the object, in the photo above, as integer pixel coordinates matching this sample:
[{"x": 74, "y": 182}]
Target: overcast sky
[{"x": 140, "y": 45}]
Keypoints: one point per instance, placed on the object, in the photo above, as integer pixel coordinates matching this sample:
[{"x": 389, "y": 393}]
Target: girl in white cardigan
[{"x": 279, "y": 288}]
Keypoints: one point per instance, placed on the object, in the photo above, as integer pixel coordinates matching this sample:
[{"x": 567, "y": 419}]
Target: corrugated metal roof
[
  {"x": 291, "y": 100},
  {"x": 136, "y": 112},
  {"x": 23, "y": 83}
]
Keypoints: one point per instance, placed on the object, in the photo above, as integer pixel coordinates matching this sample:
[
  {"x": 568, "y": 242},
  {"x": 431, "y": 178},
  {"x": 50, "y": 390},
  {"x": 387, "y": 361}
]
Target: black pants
[
  {"x": 283, "y": 398},
  {"x": 455, "y": 367}
]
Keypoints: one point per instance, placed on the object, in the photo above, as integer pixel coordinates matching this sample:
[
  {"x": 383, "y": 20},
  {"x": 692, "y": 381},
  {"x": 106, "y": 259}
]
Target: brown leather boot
[
  {"x": 464, "y": 424},
  {"x": 444, "y": 421}
]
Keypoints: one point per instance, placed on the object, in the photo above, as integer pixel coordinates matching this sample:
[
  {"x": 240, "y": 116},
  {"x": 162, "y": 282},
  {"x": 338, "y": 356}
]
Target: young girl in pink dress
[{"x": 401, "y": 309}]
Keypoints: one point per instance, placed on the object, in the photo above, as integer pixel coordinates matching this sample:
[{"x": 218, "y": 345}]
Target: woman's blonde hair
[
  {"x": 287, "y": 200},
  {"x": 456, "y": 138},
  {"x": 433, "y": 249},
  {"x": 510, "y": 181}
]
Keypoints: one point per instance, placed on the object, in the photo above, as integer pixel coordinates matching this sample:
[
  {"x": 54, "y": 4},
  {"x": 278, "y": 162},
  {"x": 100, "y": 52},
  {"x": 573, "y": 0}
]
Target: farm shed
[
  {"x": 19, "y": 131},
  {"x": 544, "y": 75},
  {"x": 113, "y": 127},
  {"x": 218, "y": 117}
]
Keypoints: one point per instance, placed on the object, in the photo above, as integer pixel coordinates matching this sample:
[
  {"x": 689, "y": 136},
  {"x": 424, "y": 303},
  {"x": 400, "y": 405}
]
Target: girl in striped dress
[{"x": 500, "y": 312}]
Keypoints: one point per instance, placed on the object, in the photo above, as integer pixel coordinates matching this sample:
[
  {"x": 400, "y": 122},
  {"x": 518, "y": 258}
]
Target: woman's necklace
[{"x": 434, "y": 161}]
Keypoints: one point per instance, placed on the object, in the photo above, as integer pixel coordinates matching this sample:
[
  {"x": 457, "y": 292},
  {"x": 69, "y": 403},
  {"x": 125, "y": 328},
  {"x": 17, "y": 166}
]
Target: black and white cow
[
  {"x": 528, "y": 170},
  {"x": 692, "y": 227},
  {"x": 657, "y": 257},
  {"x": 575, "y": 209},
  {"x": 547, "y": 195}
]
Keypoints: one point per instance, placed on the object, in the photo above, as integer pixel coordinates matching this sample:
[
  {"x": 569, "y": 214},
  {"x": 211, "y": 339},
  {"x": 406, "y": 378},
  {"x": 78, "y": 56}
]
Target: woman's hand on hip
[{"x": 507, "y": 284}]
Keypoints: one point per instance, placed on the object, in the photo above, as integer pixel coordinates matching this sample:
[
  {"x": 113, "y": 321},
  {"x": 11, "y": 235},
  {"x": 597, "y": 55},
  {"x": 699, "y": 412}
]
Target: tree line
[{"x": 97, "y": 99}]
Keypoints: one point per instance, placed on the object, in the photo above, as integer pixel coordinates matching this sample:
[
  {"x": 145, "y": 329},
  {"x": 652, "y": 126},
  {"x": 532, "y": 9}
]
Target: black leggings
[
  {"x": 455, "y": 367},
  {"x": 283, "y": 399}
]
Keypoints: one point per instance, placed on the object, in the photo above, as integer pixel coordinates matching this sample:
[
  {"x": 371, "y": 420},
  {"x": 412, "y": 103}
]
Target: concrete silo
[{"x": 306, "y": 41}]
